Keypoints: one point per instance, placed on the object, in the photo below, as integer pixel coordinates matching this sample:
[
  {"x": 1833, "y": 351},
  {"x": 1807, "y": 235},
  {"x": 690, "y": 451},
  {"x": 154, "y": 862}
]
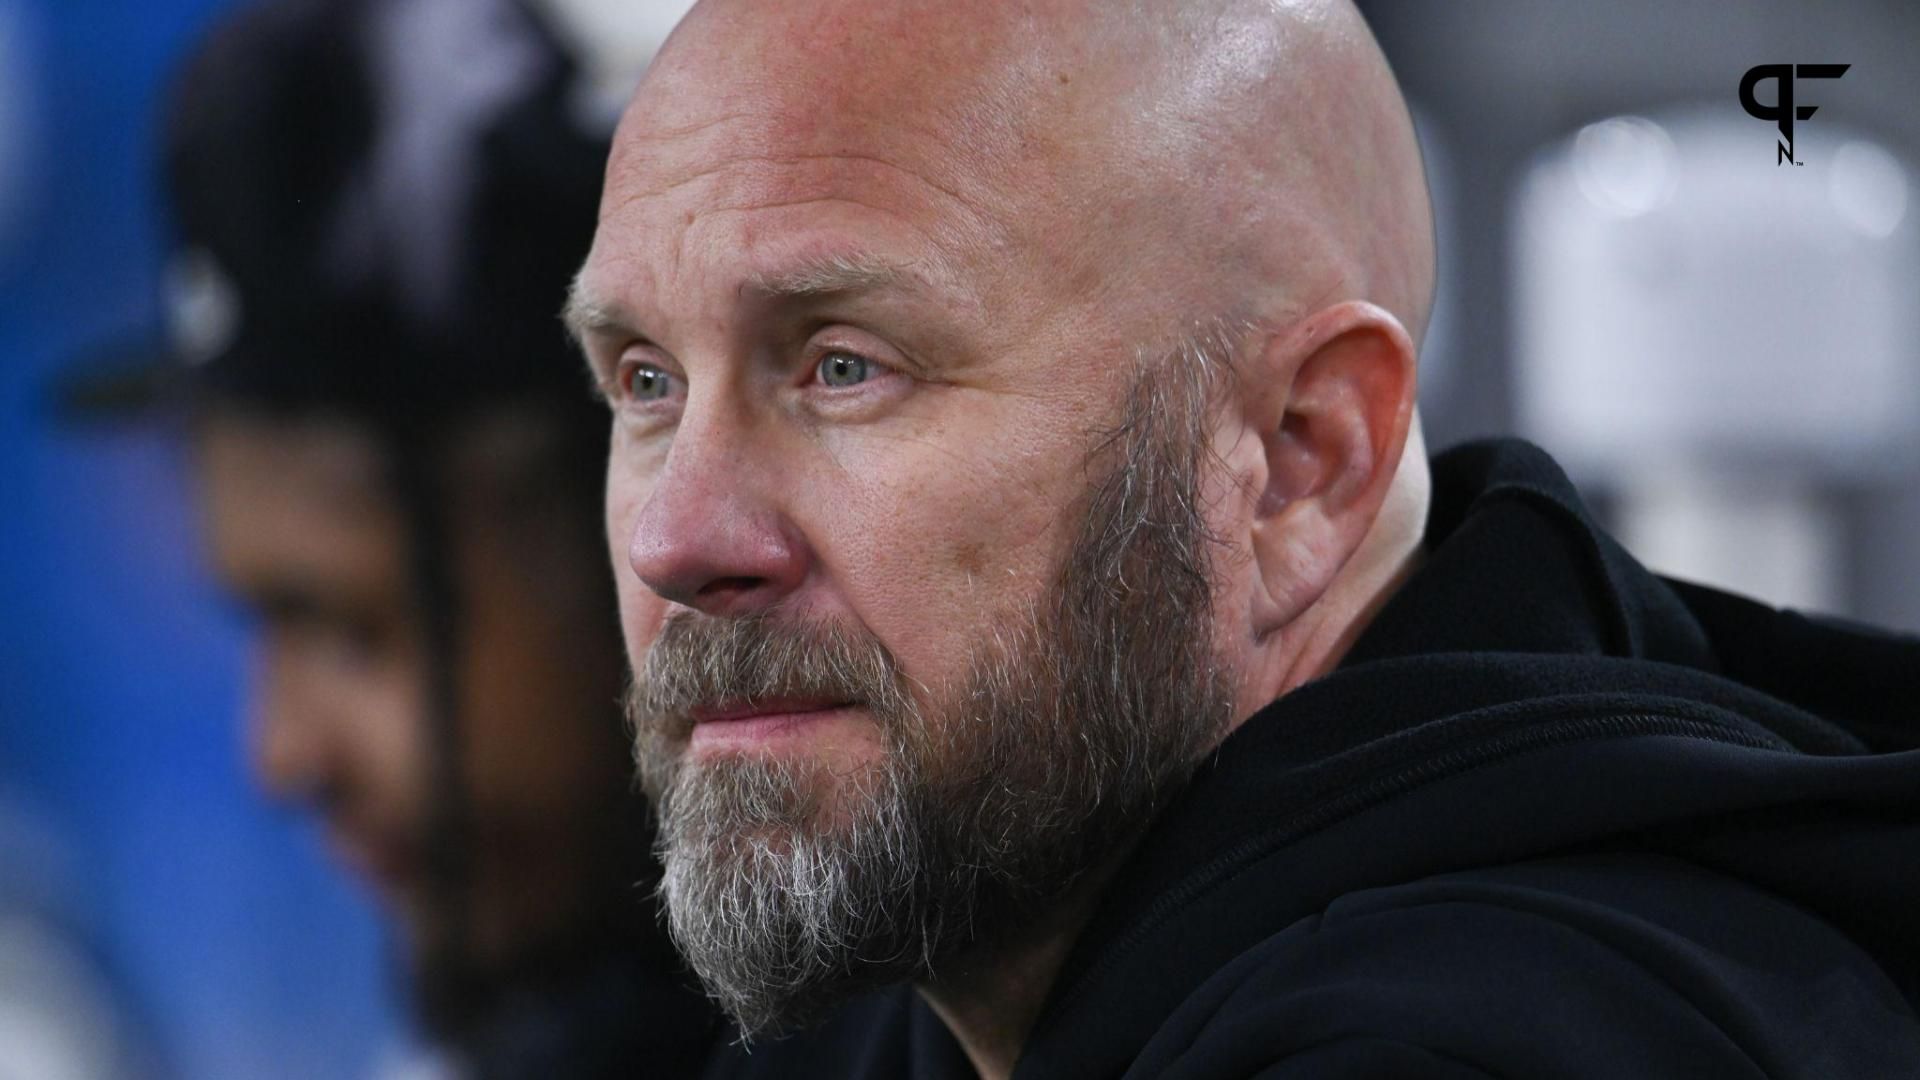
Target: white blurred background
[{"x": 1724, "y": 350}]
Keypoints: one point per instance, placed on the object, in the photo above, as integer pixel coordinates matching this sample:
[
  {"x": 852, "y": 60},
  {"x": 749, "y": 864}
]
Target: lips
[
  {"x": 381, "y": 861},
  {"x": 736, "y": 711},
  {"x": 742, "y": 722}
]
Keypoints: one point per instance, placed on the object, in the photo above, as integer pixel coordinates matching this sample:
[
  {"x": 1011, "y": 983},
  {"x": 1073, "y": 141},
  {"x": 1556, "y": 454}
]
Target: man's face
[
  {"x": 861, "y": 420},
  {"x": 794, "y": 879},
  {"x": 305, "y": 534}
]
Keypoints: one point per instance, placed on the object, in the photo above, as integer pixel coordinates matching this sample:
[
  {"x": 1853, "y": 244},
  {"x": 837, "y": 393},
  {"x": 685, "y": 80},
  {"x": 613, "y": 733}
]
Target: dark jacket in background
[{"x": 1552, "y": 817}]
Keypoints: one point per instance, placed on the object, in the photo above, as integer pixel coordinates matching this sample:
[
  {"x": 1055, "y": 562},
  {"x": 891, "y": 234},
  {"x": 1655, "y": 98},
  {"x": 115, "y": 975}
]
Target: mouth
[
  {"x": 386, "y": 865},
  {"x": 753, "y": 723}
]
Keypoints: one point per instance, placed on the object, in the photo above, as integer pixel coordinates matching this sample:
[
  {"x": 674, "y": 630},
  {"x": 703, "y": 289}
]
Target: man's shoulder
[{"x": 1598, "y": 965}]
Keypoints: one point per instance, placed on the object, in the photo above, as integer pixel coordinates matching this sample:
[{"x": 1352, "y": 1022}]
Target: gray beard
[{"x": 790, "y": 884}]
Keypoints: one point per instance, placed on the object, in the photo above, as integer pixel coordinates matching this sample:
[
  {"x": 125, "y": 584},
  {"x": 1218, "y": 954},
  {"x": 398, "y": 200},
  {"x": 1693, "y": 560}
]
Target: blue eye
[
  {"x": 843, "y": 369},
  {"x": 648, "y": 383}
]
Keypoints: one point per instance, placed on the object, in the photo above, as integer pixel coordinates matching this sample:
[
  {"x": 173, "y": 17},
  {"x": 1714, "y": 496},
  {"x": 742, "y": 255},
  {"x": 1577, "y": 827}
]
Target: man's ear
[{"x": 1331, "y": 398}]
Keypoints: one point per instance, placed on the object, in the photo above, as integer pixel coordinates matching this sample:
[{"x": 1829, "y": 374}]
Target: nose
[
  {"x": 705, "y": 540},
  {"x": 291, "y": 758}
]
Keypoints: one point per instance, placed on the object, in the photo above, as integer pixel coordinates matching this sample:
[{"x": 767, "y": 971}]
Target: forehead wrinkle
[
  {"x": 831, "y": 260},
  {"x": 761, "y": 175},
  {"x": 850, "y": 270},
  {"x": 930, "y": 264},
  {"x": 841, "y": 272},
  {"x": 684, "y": 131}
]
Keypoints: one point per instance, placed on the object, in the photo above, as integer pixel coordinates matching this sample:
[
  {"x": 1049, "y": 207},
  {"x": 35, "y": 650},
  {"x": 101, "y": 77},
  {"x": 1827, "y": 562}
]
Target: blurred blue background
[
  {"x": 120, "y": 679},
  {"x": 239, "y": 953}
]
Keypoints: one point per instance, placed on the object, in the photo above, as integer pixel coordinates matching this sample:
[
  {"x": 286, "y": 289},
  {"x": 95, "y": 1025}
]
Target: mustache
[{"x": 699, "y": 660}]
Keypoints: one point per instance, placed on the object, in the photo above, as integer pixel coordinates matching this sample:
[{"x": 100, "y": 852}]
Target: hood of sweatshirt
[{"x": 1530, "y": 691}]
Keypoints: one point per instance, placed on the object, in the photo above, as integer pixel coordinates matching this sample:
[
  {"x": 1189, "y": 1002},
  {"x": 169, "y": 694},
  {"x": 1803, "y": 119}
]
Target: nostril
[{"x": 722, "y": 593}]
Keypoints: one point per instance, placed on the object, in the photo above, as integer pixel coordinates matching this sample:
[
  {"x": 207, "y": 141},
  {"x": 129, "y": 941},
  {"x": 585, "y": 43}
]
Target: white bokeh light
[
  {"x": 1625, "y": 165},
  {"x": 1868, "y": 187}
]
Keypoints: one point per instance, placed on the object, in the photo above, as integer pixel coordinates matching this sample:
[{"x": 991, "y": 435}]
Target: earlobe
[{"x": 1333, "y": 421}]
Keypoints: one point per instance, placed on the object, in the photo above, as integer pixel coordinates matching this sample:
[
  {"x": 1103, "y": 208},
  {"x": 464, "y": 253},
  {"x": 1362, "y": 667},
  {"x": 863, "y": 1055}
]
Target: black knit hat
[{"x": 378, "y": 205}]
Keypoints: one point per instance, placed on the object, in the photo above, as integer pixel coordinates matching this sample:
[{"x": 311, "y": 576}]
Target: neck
[
  {"x": 1333, "y": 637},
  {"x": 1390, "y": 553},
  {"x": 989, "y": 998}
]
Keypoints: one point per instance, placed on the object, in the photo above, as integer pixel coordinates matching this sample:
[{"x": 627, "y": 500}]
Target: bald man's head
[
  {"x": 1010, "y": 399},
  {"x": 1249, "y": 158}
]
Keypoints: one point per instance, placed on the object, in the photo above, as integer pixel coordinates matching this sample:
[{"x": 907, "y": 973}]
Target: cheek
[
  {"x": 393, "y": 735},
  {"x": 539, "y": 678},
  {"x": 1230, "y": 495},
  {"x": 368, "y": 722},
  {"x": 931, "y": 543}
]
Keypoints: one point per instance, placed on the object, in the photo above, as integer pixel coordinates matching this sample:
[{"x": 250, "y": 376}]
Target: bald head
[{"x": 1181, "y": 160}]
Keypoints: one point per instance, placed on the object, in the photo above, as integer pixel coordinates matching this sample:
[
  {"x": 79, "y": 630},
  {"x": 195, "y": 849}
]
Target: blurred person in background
[{"x": 378, "y": 205}]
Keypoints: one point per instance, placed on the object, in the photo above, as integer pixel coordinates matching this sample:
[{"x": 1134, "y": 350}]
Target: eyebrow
[
  {"x": 586, "y": 315},
  {"x": 834, "y": 274}
]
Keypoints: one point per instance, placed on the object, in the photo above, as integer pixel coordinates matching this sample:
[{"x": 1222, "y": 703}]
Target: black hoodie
[{"x": 1552, "y": 816}]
